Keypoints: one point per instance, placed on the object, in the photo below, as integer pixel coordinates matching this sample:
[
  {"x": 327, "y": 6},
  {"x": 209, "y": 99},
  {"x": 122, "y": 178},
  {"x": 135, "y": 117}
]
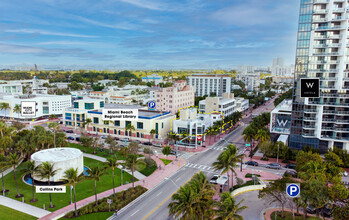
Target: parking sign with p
[{"x": 293, "y": 190}]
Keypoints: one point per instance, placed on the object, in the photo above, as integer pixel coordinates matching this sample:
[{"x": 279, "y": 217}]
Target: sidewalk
[
  {"x": 23, "y": 207},
  {"x": 137, "y": 174},
  {"x": 271, "y": 210},
  {"x": 149, "y": 182}
]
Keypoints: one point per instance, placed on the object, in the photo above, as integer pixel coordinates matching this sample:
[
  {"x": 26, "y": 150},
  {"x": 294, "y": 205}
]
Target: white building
[
  {"x": 45, "y": 105},
  {"x": 207, "y": 84},
  {"x": 280, "y": 118},
  {"x": 251, "y": 80},
  {"x": 242, "y": 104},
  {"x": 153, "y": 78},
  {"x": 225, "y": 105},
  {"x": 11, "y": 88},
  {"x": 35, "y": 85}
]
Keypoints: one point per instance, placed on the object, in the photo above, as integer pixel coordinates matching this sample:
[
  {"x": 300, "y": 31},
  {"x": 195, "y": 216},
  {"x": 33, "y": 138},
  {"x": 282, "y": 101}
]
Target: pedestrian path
[
  {"x": 203, "y": 168},
  {"x": 220, "y": 148},
  {"x": 186, "y": 155},
  {"x": 23, "y": 207},
  {"x": 137, "y": 174}
]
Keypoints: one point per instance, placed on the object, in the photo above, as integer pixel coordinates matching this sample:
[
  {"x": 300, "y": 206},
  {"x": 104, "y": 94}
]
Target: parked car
[
  {"x": 291, "y": 166},
  {"x": 69, "y": 131},
  {"x": 214, "y": 179},
  {"x": 116, "y": 138},
  {"x": 273, "y": 166},
  {"x": 77, "y": 138},
  {"x": 70, "y": 138},
  {"x": 252, "y": 163},
  {"x": 345, "y": 173},
  {"x": 157, "y": 145},
  {"x": 291, "y": 173},
  {"x": 173, "y": 152},
  {"x": 311, "y": 209},
  {"x": 136, "y": 141},
  {"x": 327, "y": 210},
  {"x": 147, "y": 143},
  {"x": 104, "y": 137},
  {"x": 124, "y": 139},
  {"x": 61, "y": 122}
]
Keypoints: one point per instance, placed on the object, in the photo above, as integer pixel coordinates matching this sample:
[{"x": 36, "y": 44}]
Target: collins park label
[
  {"x": 50, "y": 189},
  {"x": 120, "y": 114}
]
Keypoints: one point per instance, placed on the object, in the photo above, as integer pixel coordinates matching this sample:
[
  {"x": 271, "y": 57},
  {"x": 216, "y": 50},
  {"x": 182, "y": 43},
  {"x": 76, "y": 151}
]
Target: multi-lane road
[{"x": 154, "y": 204}]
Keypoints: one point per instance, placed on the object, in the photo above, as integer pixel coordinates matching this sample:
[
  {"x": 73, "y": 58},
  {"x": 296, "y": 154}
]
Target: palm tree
[
  {"x": 130, "y": 127},
  {"x": 314, "y": 170},
  {"x": 227, "y": 161},
  {"x": 41, "y": 141},
  {"x": 262, "y": 135},
  {"x": 55, "y": 127},
  {"x": 52, "y": 116},
  {"x": 17, "y": 109},
  {"x": 71, "y": 175},
  {"x": 5, "y": 106},
  {"x": 249, "y": 135},
  {"x": 112, "y": 163},
  {"x": 132, "y": 164},
  {"x": 14, "y": 160},
  {"x": 4, "y": 164},
  {"x": 153, "y": 132},
  {"x": 183, "y": 203},
  {"x": 95, "y": 173},
  {"x": 87, "y": 122},
  {"x": 29, "y": 167},
  {"x": 227, "y": 209},
  {"x": 46, "y": 170}
]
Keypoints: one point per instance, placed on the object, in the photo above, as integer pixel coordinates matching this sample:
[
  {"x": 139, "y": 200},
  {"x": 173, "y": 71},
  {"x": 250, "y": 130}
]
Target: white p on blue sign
[
  {"x": 151, "y": 104},
  {"x": 293, "y": 190}
]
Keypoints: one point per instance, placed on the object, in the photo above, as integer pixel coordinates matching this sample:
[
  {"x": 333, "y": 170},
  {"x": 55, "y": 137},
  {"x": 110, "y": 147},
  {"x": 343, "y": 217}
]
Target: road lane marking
[
  {"x": 158, "y": 194},
  {"x": 177, "y": 179},
  {"x": 195, "y": 165},
  {"x": 200, "y": 167},
  {"x": 134, "y": 212},
  {"x": 167, "y": 198}
]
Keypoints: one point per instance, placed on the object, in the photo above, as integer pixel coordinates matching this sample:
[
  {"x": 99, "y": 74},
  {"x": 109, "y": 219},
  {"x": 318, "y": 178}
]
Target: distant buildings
[
  {"x": 46, "y": 105},
  {"x": 279, "y": 68},
  {"x": 251, "y": 80},
  {"x": 153, "y": 78},
  {"x": 33, "y": 86},
  {"x": 207, "y": 84},
  {"x": 173, "y": 98},
  {"x": 12, "y": 88}
]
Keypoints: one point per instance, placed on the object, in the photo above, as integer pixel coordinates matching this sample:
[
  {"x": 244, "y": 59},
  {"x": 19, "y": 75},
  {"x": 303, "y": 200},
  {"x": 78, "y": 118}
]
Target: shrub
[
  {"x": 265, "y": 159},
  {"x": 249, "y": 175},
  {"x": 286, "y": 161}
]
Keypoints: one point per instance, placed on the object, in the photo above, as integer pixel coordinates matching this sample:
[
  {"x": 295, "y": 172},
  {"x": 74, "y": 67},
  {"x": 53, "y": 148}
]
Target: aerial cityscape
[{"x": 166, "y": 110}]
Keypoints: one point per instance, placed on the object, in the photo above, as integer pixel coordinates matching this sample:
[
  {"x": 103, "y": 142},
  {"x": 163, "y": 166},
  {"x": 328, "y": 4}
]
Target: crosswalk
[
  {"x": 220, "y": 148},
  {"x": 204, "y": 168},
  {"x": 186, "y": 155}
]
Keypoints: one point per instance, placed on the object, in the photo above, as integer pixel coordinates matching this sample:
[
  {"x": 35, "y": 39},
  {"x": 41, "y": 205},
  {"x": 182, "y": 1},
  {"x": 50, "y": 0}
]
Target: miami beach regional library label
[{"x": 120, "y": 114}]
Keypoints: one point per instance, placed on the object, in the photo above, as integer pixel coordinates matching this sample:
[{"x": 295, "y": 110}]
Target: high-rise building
[
  {"x": 322, "y": 122},
  {"x": 207, "y": 84}
]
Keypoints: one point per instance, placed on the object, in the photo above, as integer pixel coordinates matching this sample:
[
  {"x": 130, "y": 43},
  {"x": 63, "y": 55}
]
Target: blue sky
[{"x": 147, "y": 34}]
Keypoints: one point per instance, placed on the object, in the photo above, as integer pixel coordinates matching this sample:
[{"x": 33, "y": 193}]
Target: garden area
[
  {"x": 84, "y": 188},
  {"x": 166, "y": 161},
  {"x": 120, "y": 200},
  {"x": 289, "y": 216},
  {"x": 149, "y": 168},
  {"x": 10, "y": 214}
]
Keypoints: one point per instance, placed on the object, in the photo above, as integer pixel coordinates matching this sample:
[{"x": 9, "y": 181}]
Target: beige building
[{"x": 226, "y": 104}]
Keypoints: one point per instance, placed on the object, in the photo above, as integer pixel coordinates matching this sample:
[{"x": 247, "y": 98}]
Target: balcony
[
  {"x": 328, "y": 120},
  {"x": 328, "y": 112},
  {"x": 340, "y": 18},
  {"x": 341, "y": 10},
  {"x": 328, "y": 78},
  {"x": 318, "y": 20},
  {"x": 342, "y": 129},
  {"x": 309, "y": 118},
  {"x": 309, "y": 127},
  {"x": 309, "y": 110},
  {"x": 342, "y": 121},
  {"x": 328, "y": 128},
  {"x": 320, "y": 11},
  {"x": 308, "y": 135},
  {"x": 323, "y": 28},
  {"x": 321, "y": 1},
  {"x": 342, "y": 112}
]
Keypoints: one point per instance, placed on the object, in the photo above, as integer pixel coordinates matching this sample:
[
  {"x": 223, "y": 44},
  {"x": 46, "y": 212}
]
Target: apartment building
[
  {"x": 322, "y": 53},
  {"x": 207, "y": 84},
  {"x": 171, "y": 99},
  {"x": 153, "y": 78},
  {"x": 242, "y": 104},
  {"x": 11, "y": 88},
  {"x": 251, "y": 80}
]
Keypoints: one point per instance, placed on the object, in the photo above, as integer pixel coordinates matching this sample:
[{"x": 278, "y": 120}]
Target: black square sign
[{"x": 310, "y": 88}]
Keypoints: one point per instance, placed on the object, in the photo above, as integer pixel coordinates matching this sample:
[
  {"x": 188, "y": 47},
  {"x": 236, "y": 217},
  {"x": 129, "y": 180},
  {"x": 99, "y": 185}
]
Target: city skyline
[{"x": 148, "y": 34}]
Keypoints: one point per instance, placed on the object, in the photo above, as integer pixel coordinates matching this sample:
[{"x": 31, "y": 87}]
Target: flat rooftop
[
  {"x": 285, "y": 107},
  {"x": 56, "y": 154}
]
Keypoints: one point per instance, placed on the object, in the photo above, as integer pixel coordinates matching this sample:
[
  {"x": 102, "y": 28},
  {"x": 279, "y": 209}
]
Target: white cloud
[
  {"x": 43, "y": 32},
  {"x": 123, "y": 26},
  {"x": 145, "y": 4},
  {"x": 62, "y": 43}
]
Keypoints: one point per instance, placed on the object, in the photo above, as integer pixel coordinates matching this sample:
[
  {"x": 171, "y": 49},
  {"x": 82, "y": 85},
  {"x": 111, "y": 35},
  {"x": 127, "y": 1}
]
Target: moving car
[
  {"x": 173, "y": 152},
  {"x": 291, "y": 166},
  {"x": 157, "y": 145},
  {"x": 69, "y": 131},
  {"x": 147, "y": 143},
  {"x": 273, "y": 166},
  {"x": 252, "y": 163},
  {"x": 70, "y": 138},
  {"x": 214, "y": 179}
]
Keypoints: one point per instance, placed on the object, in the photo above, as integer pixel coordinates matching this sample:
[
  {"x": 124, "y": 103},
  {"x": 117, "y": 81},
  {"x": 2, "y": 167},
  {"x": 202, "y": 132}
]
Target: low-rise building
[
  {"x": 11, "y": 88},
  {"x": 153, "y": 78},
  {"x": 226, "y": 105},
  {"x": 171, "y": 99},
  {"x": 242, "y": 104},
  {"x": 46, "y": 105},
  {"x": 251, "y": 80},
  {"x": 147, "y": 120},
  {"x": 280, "y": 119}
]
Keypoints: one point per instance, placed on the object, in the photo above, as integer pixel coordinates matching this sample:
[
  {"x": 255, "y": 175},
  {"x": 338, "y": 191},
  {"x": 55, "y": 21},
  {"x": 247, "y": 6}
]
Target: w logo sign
[
  {"x": 310, "y": 88},
  {"x": 282, "y": 123}
]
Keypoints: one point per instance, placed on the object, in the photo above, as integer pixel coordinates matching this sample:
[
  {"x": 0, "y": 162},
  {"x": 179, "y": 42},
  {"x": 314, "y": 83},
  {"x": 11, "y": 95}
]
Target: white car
[
  {"x": 214, "y": 179},
  {"x": 345, "y": 173}
]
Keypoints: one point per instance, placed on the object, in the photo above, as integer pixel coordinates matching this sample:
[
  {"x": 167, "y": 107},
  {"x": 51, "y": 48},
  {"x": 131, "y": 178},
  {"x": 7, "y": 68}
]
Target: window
[
  {"x": 76, "y": 105},
  {"x": 138, "y": 134},
  {"x": 114, "y": 131},
  {"x": 126, "y": 133},
  {"x": 117, "y": 123},
  {"x": 94, "y": 128},
  {"x": 89, "y": 105},
  {"x": 139, "y": 125},
  {"x": 95, "y": 120},
  {"x": 106, "y": 122},
  {"x": 108, "y": 130},
  {"x": 104, "y": 131},
  {"x": 130, "y": 133},
  {"x": 141, "y": 135},
  {"x": 118, "y": 132},
  {"x": 101, "y": 104},
  {"x": 127, "y": 123}
]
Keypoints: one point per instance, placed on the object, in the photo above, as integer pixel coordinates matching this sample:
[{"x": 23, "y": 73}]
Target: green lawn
[
  {"x": 84, "y": 188},
  {"x": 93, "y": 216},
  {"x": 166, "y": 161},
  {"x": 149, "y": 169},
  {"x": 11, "y": 214},
  {"x": 288, "y": 216}
]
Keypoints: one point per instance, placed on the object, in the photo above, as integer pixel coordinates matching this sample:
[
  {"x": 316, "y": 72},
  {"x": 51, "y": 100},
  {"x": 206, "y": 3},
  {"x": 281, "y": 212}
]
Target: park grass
[
  {"x": 288, "y": 216},
  {"x": 105, "y": 153},
  {"x": 93, "y": 216},
  {"x": 84, "y": 189},
  {"x": 149, "y": 169},
  {"x": 166, "y": 161},
  {"x": 11, "y": 214}
]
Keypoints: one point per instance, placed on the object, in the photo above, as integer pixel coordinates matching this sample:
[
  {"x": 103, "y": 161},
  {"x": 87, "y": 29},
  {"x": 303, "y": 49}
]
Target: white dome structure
[{"x": 62, "y": 158}]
